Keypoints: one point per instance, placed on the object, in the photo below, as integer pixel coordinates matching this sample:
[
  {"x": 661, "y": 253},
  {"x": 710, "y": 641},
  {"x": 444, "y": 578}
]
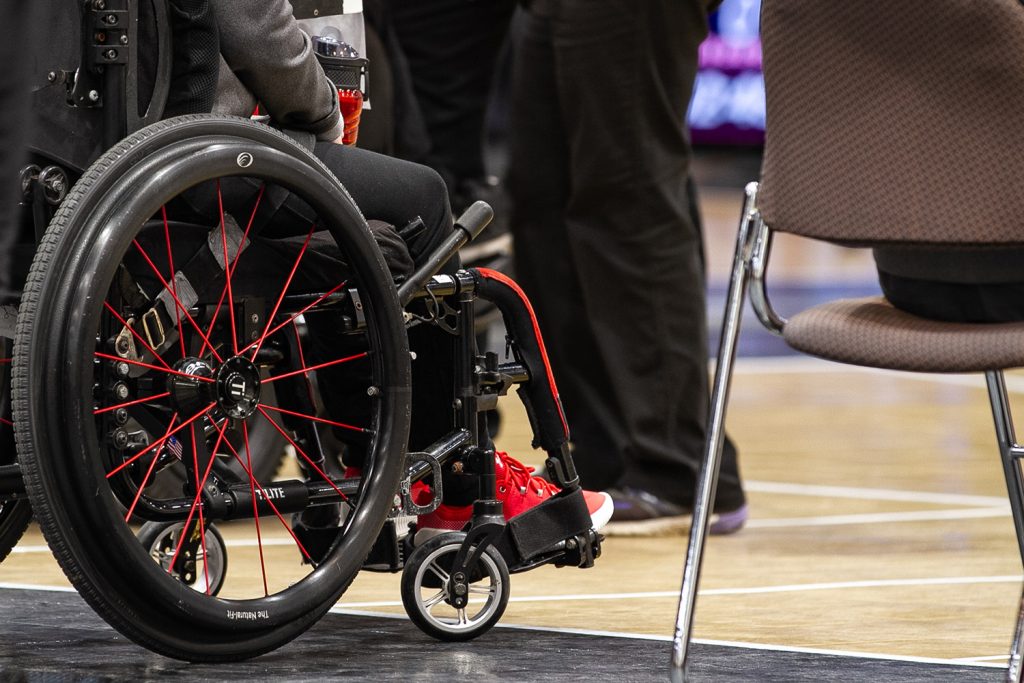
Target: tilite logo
[
  {"x": 236, "y": 387},
  {"x": 270, "y": 493},
  {"x": 244, "y": 160}
]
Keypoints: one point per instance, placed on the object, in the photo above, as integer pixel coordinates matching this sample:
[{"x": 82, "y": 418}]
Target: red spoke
[
  {"x": 302, "y": 371},
  {"x": 5, "y": 361},
  {"x": 202, "y": 523},
  {"x": 6, "y": 422},
  {"x": 287, "y": 284},
  {"x": 174, "y": 278},
  {"x": 255, "y": 511},
  {"x": 302, "y": 453},
  {"x": 292, "y": 319},
  {"x": 153, "y": 445},
  {"x": 199, "y": 494},
  {"x": 136, "y": 335},
  {"x": 149, "y": 472},
  {"x": 234, "y": 265},
  {"x": 269, "y": 502},
  {"x": 147, "y": 399},
  {"x": 177, "y": 302},
  {"x": 319, "y": 419},
  {"x": 169, "y": 371},
  {"x": 227, "y": 270}
]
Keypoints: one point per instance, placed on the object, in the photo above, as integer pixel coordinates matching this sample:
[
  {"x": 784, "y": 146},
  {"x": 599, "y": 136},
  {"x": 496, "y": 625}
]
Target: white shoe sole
[{"x": 599, "y": 518}]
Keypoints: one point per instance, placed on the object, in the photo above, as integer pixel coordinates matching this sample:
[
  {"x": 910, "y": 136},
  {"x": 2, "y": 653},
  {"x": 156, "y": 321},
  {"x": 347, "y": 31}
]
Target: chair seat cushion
[{"x": 871, "y": 332}]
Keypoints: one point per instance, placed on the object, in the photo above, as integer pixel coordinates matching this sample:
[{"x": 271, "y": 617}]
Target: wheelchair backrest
[{"x": 103, "y": 69}]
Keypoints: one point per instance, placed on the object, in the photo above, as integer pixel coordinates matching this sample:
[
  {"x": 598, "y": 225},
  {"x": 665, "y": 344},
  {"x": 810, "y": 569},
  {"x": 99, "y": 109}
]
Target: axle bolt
[{"x": 121, "y": 390}]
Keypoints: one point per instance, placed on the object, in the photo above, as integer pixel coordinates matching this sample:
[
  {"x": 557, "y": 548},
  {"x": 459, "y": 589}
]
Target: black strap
[{"x": 556, "y": 519}]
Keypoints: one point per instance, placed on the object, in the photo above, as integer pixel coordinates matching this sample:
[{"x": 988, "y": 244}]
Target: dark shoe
[{"x": 639, "y": 513}]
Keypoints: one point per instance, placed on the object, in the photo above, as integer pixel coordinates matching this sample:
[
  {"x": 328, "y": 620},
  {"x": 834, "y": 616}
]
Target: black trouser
[
  {"x": 452, "y": 47},
  {"x": 608, "y": 244}
]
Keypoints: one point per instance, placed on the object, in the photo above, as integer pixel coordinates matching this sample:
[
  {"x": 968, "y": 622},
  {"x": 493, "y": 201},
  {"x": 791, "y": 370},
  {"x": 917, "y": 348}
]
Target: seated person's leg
[
  {"x": 393, "y": 191},
  {"x": 954, "y": 284}
]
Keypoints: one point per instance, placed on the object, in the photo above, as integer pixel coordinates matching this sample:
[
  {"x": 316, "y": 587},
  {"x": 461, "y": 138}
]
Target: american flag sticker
[{"x": 174, "y": 447}]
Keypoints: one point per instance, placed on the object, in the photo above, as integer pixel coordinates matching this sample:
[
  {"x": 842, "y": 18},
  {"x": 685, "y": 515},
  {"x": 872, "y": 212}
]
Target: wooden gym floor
[{"x": 879, "y": 523}]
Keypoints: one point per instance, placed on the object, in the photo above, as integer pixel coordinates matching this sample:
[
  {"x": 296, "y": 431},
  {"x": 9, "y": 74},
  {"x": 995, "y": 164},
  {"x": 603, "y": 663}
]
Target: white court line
[
  {"x": 33, "y": 587},
  {"x": 774, "y": 523},
  {"x": 236, "y": 543},
  {"x": 871, "y": 583},
  {"x": 787, "y": 488},
  {"x": 705, "y": 641},
  {"x": 981, "y": 659},
  {"x": 878, "y": 518},
  {"x": 752, "y": 590}
]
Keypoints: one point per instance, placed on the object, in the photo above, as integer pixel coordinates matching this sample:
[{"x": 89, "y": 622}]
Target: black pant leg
[
  {"x": 452, "y": 47},
  {"x": 623, "y": 74}
]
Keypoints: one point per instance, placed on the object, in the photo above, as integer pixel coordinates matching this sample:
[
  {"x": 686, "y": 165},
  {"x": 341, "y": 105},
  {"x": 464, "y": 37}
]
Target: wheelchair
[{"x": 150, "y": 333}]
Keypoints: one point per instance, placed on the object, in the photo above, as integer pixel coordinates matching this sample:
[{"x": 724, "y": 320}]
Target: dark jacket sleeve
[{"x": 273, "y": 58}]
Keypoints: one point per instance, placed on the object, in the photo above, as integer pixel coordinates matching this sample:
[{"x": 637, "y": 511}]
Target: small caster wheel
[
  {"x": 427, "y": 596},
  {"x": 205, "y": 571}
]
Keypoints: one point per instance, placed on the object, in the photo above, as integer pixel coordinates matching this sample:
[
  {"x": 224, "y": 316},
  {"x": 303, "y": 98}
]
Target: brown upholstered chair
[{"x": 888, "y": 123}]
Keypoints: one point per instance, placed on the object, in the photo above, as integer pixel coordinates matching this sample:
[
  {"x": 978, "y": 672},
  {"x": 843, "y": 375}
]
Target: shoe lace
[{"x": 518, "y": 475}]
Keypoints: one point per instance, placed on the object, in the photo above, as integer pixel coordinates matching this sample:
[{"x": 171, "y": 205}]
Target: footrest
[{"x": 553, "y": 521}]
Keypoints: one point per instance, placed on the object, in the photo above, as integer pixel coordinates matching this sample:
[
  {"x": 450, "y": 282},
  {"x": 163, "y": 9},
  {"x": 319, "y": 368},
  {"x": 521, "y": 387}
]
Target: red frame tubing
[{"x": 543, "y": 402}]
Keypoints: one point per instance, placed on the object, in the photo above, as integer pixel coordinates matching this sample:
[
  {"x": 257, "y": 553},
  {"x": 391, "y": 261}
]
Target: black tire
[
  {"x": 76, "y": 475},
  {"x": 424, "y": 590},
  {"x": 15, "y": 513}
]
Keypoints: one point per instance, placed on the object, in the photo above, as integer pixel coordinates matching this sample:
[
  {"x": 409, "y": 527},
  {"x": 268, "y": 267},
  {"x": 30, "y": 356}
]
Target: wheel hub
[
  {"x": 188, "y": 394},
  {"x": 238, "y": 387}
]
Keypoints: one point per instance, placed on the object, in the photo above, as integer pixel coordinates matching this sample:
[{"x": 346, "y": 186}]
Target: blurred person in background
[
  {"x": 452, "y": 48},
  {"x": 608, "y": 246}
]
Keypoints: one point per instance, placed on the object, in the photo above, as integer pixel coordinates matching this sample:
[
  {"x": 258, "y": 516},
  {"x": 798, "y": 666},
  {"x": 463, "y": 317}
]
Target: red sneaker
[{"x": 519, "y": 491}]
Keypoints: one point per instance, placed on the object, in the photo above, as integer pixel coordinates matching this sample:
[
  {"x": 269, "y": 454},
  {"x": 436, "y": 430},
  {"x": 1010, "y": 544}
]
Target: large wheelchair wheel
[
  {"x": 138, "y": 349},
  {"x": 15, "y": 512}
]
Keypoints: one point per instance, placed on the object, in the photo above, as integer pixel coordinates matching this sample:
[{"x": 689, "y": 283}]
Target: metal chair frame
[{"x": 753, "y": 245}]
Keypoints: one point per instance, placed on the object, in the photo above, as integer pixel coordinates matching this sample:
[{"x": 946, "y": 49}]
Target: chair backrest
[{"x": 894, "y": 121}]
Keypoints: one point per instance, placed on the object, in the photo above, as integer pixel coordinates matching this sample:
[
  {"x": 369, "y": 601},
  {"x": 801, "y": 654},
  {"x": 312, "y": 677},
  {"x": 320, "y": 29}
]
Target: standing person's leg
[
  {"x": 539, "y": 186},
  {"x": 452, "y": 48},
  {"x": 624, "y": 75}
]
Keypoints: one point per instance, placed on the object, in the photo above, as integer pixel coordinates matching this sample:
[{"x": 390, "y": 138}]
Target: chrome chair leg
[
  {"x": 1011, "y": 455},
  {"x": 1014, "y": 672},
  {"x": 708, "y": 480}
]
